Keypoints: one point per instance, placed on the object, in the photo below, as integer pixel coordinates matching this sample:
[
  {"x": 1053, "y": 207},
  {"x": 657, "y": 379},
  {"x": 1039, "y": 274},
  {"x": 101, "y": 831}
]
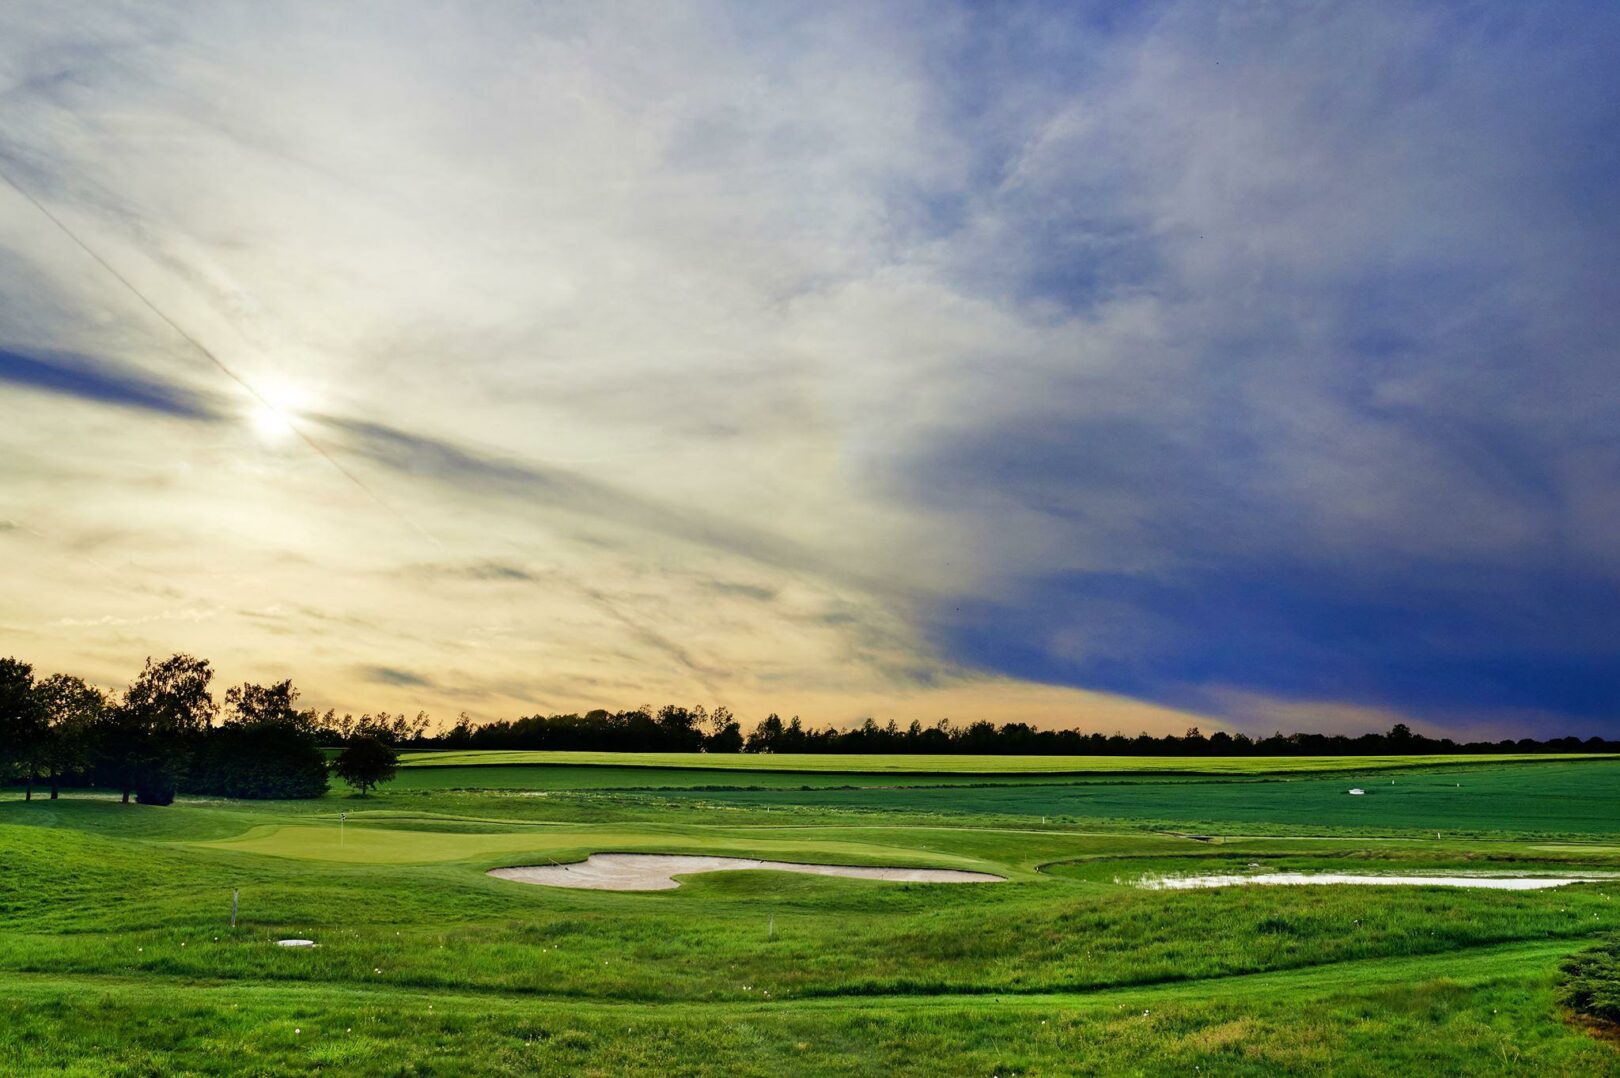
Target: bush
[
  {"x": 1592, "y": 982},
  {"x": 155, "y": 790}
]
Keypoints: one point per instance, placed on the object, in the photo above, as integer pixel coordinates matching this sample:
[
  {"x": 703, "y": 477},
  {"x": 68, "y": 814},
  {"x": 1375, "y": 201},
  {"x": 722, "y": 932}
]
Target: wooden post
[{"x": 234, "y": 893}]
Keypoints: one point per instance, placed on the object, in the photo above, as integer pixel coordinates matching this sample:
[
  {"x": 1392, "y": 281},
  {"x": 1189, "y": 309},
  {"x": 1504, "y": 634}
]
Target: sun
[{"x": 275, "y": 412}]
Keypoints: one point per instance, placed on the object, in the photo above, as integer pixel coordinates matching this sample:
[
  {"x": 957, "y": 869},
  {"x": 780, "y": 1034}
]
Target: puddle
[{"x": 1283, "y": 879}]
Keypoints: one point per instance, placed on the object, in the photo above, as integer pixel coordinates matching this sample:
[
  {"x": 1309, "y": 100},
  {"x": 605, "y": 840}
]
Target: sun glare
[{"x": 274, "y": 413}]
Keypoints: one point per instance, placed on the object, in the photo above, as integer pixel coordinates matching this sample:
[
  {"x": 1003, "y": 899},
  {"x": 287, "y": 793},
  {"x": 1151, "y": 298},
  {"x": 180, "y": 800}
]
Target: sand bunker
[
  {"x": 657, "y": 872},
  {"x": 1264, "y": 879}
]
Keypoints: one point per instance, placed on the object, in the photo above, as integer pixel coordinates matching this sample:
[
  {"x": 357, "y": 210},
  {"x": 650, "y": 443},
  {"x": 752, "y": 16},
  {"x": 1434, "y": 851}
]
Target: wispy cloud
[
  {"x": 105, "y": 620},
  {"x": 106, "y": 382},
  {"x": 388, "y": 675}
]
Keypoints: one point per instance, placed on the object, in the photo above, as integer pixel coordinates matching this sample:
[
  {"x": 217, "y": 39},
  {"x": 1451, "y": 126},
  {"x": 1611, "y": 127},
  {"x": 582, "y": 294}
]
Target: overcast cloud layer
[{"x": 1120, "y": 366}]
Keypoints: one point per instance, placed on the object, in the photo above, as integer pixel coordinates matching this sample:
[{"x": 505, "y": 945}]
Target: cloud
[
  {"x": 106, "y": 620},
  {"x": 747, "y": 591},
  {"x": 553, "y": 489},
  {"x": 104, "y": 382},
  {"x": 1201, "y": 354},
  {"x": 388, "y": 675},
  {"x": 1315, "y": 431}
]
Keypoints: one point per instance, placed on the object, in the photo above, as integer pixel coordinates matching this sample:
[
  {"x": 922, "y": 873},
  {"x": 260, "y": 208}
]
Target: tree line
[
  {"x": 166, "y": 734},
  {"x": 673, "y": 728}
]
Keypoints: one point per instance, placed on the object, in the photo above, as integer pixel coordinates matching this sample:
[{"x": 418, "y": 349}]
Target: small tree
[
  {"x": 365, "y": 763},
  {"x": 22, "y": 722}
]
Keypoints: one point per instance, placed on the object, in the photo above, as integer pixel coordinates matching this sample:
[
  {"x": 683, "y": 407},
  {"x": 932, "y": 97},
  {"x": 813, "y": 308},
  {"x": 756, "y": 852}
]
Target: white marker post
[{"x": 234, "y": 893}]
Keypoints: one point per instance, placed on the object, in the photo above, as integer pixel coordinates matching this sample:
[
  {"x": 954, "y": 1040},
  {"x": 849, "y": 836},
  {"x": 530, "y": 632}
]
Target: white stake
[{"x": 234, "y": 893}]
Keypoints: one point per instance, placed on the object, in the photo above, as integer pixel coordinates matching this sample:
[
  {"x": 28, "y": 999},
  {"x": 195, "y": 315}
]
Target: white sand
[
  {"x": 657, "y": 872},
  {"x": 1264, "y": 879}
]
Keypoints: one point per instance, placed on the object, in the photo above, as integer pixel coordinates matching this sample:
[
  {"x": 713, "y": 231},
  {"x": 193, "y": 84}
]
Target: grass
[
  {"x": 1550, "y": 797},
  {"x": 116, "y": 955}
]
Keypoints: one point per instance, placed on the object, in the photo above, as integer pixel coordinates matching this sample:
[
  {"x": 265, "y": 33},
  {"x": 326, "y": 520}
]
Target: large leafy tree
[
  {"x": 148, "y": 736},
  {"x": 22, "y": 721},
  {"x": 73, "y": 709}
]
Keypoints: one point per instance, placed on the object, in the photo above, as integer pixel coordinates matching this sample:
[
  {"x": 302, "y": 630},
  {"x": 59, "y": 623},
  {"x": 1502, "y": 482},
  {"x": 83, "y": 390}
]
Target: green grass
[
  {"x": 1551, "y": 797},
  {"x": 116, "y": 955}
]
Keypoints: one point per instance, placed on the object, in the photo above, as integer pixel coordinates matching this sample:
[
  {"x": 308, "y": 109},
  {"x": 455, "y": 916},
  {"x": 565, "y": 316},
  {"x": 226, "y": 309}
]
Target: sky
[{"x": 1117, "y": 366}]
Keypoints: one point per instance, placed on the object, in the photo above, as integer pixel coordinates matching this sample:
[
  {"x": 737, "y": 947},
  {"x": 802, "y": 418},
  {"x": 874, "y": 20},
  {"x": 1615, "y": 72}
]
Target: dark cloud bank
[{"x": 1370, "y": 451}]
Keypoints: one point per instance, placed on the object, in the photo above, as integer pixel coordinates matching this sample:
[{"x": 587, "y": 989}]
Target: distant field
[
  {"x": 1551, "y": 798},
  {"x": 953, "y": 764}
]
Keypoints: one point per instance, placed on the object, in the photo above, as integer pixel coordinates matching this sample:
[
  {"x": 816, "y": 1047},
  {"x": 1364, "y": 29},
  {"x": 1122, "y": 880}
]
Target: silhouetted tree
[
  {"x": 725, "y": 732},
  {"x": 766, "y": 736},
  {"x": 146, "y": 737},
  {"x": 72, "y": 710},
  {"x": 266, "y": 747},
  {"x": 392, "y": 729},
  {"x": 365, "y": 763},
  {"x": 22, "y": 722}
]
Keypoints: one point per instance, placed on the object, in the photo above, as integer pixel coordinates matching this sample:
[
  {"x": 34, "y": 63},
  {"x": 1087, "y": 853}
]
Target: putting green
[{"x": 384, "y": 846}]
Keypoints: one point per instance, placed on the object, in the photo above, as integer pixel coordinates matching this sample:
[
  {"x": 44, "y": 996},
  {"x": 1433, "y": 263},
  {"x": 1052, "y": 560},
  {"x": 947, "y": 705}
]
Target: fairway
[{"x": 424, "y": 962}]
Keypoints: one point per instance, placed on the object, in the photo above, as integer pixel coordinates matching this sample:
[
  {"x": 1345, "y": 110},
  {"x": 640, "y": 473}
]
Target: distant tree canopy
[
  {"x": 335, "y": 729},
  {"x": 681, "y": 729},
  {"x": 671, "y": 728}
]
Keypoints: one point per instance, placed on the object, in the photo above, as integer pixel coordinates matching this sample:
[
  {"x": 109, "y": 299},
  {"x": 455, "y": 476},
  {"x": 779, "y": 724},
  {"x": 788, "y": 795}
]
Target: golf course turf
[{"x": 117, "y": 955}]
